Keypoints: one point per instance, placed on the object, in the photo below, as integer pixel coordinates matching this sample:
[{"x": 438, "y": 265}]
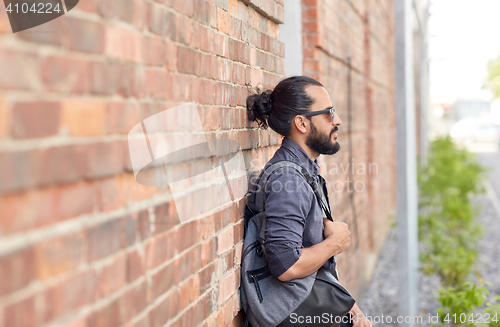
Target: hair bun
[
  {"x": 259, "y": 107},
  {"x": 267, "y": 103}
]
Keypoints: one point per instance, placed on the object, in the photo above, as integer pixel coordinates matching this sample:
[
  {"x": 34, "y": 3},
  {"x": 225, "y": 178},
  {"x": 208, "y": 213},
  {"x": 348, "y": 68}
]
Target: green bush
[{"x": 448, "y": 229}]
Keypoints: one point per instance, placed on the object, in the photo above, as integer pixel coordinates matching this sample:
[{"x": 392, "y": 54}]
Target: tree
[{"x": 493, "y": 81}]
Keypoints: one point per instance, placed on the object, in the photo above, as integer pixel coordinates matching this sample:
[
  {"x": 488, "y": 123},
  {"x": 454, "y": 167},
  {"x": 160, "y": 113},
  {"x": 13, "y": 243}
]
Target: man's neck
[{"x": 312, "y": 154}]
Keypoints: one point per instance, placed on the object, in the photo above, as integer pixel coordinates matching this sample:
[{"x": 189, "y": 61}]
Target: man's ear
[{"x": 301, "y": 123}]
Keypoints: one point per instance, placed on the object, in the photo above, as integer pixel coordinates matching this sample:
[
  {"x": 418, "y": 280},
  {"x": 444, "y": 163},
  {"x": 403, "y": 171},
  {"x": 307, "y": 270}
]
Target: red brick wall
[
  {"x": 81, "y": 242},
  {"x": 362, "y": 31}
]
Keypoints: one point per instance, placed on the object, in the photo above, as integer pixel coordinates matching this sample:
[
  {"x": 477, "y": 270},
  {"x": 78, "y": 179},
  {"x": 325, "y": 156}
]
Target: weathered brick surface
[{"x": 82, "y": 243}]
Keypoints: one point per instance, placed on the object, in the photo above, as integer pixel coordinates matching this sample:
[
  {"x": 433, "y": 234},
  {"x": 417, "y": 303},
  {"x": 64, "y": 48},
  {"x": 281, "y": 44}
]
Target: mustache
[{"x": 336, "y": 128}]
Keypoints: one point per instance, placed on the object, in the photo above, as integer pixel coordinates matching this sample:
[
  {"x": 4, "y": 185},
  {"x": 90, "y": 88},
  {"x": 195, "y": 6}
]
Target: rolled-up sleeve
[{"x": 287, "y": 205}]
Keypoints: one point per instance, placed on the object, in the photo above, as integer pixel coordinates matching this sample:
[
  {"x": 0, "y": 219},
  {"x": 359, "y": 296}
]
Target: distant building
[{"x": 469, "y": 108}]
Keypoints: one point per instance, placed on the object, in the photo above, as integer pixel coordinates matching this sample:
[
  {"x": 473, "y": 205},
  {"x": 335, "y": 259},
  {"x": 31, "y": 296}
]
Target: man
[{"x": 299, "y": 239}]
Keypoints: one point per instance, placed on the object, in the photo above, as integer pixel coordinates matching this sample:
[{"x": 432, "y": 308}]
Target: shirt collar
[{"x": 304, "y": 160}]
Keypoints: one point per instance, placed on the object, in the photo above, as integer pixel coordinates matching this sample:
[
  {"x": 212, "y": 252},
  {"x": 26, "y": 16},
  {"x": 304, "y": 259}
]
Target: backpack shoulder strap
[
  {"x": 262, "y": 182},
  {"x": 259, "y": 197}
]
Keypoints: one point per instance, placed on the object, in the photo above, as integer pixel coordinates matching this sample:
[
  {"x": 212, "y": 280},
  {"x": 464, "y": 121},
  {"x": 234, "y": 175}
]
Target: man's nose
[{"x": 337, "y": 121}]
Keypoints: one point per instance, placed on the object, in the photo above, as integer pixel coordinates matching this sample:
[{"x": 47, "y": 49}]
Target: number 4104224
[
  {"x": 485, "y": 318},
  {"x": 36, "y": 8}
]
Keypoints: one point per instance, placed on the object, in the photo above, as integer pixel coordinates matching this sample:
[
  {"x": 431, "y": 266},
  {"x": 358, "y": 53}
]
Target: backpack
[{"x": 266, "y": 300}]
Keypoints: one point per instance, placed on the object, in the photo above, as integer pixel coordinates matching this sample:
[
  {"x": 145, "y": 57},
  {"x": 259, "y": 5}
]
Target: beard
[{"x": 322, "y": 144}]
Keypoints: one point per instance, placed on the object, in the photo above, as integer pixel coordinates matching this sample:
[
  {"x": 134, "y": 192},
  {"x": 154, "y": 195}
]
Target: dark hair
[{"x": 274, "y": 108}]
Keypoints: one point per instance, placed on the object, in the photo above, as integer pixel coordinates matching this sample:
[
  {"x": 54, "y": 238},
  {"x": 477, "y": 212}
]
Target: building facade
[{"x": 82, "y": 242}]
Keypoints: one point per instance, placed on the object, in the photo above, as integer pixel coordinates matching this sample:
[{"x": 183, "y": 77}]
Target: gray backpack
[{"x": 266, "y": 300}]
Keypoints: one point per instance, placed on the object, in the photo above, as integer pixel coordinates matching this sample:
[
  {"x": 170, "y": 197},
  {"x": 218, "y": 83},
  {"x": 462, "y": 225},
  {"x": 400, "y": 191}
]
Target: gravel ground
[{"x": 381, "y": 295}]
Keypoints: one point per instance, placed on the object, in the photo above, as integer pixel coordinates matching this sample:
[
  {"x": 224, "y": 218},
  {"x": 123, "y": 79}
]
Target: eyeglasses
[{"x": 319, "y": 112}]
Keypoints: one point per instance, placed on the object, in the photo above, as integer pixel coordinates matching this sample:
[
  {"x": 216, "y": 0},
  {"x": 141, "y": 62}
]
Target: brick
[
  {"x": 162, "y": 281},
  {"x": 208, "y": 252},
  {"x": 35, "y": 119},
  {"x": 140, "y": 13},
  {"x": 31, "y": 209},
  {"x": 123, "y": 44},
  {"x": 65, "y": 74},
  {"x": 189, "y": 292},
  {"x": 183, "y": 267},
  {"x": 154, "y": 51},
  {"x": 158, "y": 83},
  {"x": 186, "y": 236},
  {"x": 121, "y": 117},
  {"x": 157, "y": 19},
  {"x": 109, "y": 315},
  {"x": 183, "y": 29},
  {"x": 111, "y": 78},
  {"x": 58, "y": 255},
  {"x": 188, "y": 60},
  {"x": 238, "y": 232},
  {"x": 112, "y": 276},
  {"x": 20, "y": 70},
  {"x": 227, "y": 260},
  {"x": 5, "y": 117},
  {"x": 21, "y": 313},
  {"x": 114, "y": 192},
  {"x": 103, "y": 239},
  {"x": 4, "y": 23},
  {"x": 204, "y": 308},
  {"x": 166, "y": 217},
  {"x": 195, "y": 35},
  {"x": 185, "y": 7},
  {"x": 20, "y": 169},
  {"x": 125, "y": 10},
  {"x": 107, "y": 9},
  {"x": 78, "y": 322},
  {"x": 201, "y": 12},
  {"x": 143, "y": 225},
  {"x": 128, "y": 225},
  {"x": 165, "y": 310},
  {"x": 17, "y": 270},
  {"x": 84, "y": 118},
  {"x": 75, "y": 199},
  {"x": 225, "y": 240},
  {"x": 227, "y": 287},
  {"x": 85, "y": 35},
  {"x": 88, "y": 6},
  {"x": 161, "y": 249},
  {"x": 171, "y": 56},
  {"x": 207, "y": 277},
  {"x": 66, "y": 296},
  {"x": 223, "y": 23},
  {"x": 136, "y": 266}
]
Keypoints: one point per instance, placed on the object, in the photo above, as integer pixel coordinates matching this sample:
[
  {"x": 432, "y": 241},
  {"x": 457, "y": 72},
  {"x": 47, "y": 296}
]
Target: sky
[{"x": 464, "y": 35}]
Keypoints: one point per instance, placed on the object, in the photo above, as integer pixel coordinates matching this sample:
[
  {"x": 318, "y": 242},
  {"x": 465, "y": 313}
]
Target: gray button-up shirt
[{"x": 294, "y": 216}]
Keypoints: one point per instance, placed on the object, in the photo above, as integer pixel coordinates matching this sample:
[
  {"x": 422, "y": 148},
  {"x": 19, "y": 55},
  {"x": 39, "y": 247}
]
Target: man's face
[
  {"x": 322, "y": 137},
  {"x": 322, "y": 143}
]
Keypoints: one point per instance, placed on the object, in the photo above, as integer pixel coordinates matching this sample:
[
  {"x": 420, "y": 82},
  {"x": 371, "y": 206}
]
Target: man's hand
[
  {"x": 359, "y": 319},
  {"x": 338, "y": 232}
]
